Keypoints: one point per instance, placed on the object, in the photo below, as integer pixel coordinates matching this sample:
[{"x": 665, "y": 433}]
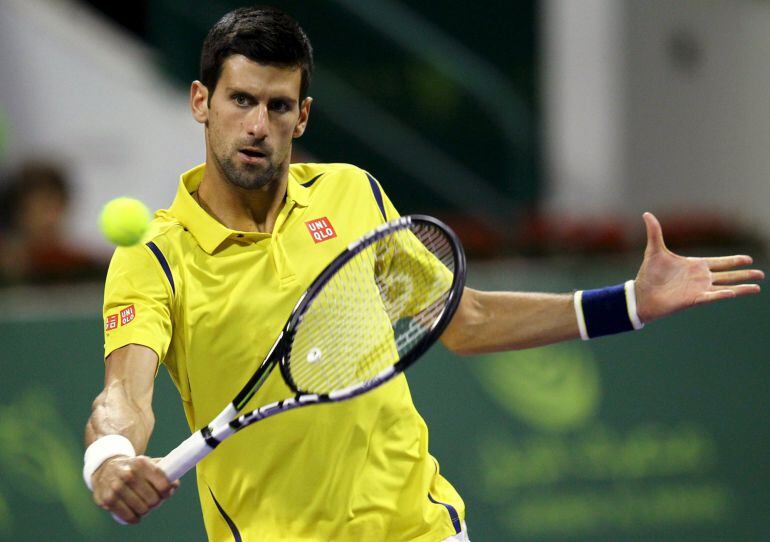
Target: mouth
[{"x": 251, "y": 155}]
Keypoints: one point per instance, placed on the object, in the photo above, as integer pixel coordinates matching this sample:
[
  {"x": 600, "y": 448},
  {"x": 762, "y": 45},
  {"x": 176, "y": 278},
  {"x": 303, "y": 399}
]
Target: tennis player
[{"x": 223, "y": 267}]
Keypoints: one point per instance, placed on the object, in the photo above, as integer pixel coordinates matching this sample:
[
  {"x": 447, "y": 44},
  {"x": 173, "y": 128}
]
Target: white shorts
[{"x": 462, "y": 536}]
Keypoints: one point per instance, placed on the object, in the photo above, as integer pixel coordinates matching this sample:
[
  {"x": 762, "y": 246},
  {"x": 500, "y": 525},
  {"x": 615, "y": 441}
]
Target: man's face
[{"x": 251, "y": 119}]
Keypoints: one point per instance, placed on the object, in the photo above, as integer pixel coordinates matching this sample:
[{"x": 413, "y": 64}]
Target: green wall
[{"x": 658, "y": 435}]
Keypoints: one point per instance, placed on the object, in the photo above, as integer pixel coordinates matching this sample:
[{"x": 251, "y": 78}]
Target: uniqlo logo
[
  {"x": 321, "y": 229},
  {"x": 126, "y": 315},
  {"x": 111, "y": 322}
]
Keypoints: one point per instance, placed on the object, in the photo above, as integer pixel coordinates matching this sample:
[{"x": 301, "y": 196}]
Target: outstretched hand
[{"x": 667, "y": 283}]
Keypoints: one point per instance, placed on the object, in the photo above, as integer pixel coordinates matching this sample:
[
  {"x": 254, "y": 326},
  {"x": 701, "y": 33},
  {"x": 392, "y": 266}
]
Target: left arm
[
  {"x": 666, "y": 283},
  {"x": 494, "y": 321}
]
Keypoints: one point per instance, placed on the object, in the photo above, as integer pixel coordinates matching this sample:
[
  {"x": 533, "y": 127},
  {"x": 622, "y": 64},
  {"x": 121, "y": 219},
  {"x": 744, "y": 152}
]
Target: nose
[{"x": 257, "y": 122}]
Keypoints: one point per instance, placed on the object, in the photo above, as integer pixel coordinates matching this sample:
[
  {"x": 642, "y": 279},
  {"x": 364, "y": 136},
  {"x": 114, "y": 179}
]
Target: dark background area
[{"x": 408, "y": 88}]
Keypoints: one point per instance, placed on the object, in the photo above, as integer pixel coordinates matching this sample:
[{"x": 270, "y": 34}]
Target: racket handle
[
  {"x": 184, "y": 457},
  {"x": 118, "y": 519},
  {"x": 180, "y": 460}
]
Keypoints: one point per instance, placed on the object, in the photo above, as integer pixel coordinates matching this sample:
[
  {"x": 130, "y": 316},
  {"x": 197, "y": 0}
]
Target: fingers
[
  {"x": 745, "y": 289},
  {"x": 118, "y": 499},
  {"x": 121, "y": 510},
  {"x": 157, "y": 478},
  {"x": 134, "y": 502},
  {"x": 131, "y": 487},
  {"x": 733, "y": 277},
  {"x": 727, "y": 293},
  {"x": 723, "y": 263},
  {"x": 655, "y": 241},
  {"x": 160, "y": 481}
]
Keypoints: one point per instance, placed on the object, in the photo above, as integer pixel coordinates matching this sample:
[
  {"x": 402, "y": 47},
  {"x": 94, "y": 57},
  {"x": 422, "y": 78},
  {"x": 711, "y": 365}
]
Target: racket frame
[{"x": 425, "y": 342}]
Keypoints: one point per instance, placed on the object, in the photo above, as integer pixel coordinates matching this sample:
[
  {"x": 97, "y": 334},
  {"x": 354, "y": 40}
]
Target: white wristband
[
  {"x": 630, "y": 287},
  {"x": 577, "y": 300},
  {"x": 101, "y": 450}
]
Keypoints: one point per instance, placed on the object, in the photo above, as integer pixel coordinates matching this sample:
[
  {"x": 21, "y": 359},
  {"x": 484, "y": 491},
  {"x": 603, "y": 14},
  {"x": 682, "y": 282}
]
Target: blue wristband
[{"x": 607, "y": 311}]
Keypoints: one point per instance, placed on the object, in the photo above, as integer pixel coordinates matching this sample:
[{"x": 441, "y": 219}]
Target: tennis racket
[{"x": 371, "y": 313}]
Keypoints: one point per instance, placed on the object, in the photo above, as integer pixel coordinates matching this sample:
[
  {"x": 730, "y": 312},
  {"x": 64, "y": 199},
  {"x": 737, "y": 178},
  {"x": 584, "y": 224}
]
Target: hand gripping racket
[{"x": 372, "y": 312}]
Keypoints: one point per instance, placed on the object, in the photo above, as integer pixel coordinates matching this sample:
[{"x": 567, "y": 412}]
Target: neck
[{"x": 240, "y": 208}]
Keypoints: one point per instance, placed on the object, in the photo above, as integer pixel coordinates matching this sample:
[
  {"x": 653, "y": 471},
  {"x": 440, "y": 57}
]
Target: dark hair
[{"x": 263, "y": 34}]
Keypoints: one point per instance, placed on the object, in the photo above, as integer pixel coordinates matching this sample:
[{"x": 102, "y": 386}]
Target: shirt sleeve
[
  {"x": 384, "y": 204},
  {"x": 390, "y": 210},
  {"x": 137, "y": 302},
  {"x": 412, "y": 278},
  {"x": 411, "y": 274}
]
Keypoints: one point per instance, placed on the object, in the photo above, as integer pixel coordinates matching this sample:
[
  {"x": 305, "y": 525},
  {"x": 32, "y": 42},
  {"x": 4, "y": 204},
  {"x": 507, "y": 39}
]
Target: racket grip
[
  {"x": 181, "y": 459},
  {"x": 184, "y": 457},
  {"x": 118, "y": 519}
]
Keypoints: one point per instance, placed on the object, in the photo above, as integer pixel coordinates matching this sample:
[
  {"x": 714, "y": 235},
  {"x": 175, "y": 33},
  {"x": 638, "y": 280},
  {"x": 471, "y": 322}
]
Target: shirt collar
[
  {"x": 208, "y": 232},
  {"x": 297, "y": 193}
]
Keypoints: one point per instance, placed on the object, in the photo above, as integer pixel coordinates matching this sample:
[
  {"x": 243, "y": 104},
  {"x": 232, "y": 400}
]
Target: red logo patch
[
  {"x": 126, "y": 315},
  {"x": 321, "y": 229},
  {"x": 111, "y": 322}
]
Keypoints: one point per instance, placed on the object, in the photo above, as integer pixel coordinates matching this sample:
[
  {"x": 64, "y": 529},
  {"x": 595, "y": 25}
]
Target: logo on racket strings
[
  {"x": 320, "y": 229},
  {"x": 314, "y": 355}
]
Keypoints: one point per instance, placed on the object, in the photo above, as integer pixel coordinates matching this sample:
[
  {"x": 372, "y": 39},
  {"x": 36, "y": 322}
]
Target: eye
[
  {"x": 280, "y": 106},
  {"x": 241, "y": 100}
]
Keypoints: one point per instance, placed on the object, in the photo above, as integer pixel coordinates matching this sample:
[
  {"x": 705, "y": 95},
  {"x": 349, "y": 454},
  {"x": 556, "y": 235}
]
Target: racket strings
[
  {"x": 346, "y": 295},
  {"x": 373, "y": 310}
]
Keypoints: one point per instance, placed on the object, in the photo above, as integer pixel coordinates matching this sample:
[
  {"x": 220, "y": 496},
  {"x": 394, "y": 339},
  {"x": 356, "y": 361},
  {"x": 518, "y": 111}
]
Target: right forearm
[
  {"x": 121, "y": 478},
  {"x": 115, "y": 412}
]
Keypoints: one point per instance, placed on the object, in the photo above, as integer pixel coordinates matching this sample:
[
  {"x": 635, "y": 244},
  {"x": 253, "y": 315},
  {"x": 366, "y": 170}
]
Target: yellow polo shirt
[{"x": 210, "y": 302}]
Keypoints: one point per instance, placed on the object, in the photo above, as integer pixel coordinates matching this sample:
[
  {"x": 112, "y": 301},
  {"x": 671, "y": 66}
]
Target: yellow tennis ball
[{"x": 124, "y": 221}]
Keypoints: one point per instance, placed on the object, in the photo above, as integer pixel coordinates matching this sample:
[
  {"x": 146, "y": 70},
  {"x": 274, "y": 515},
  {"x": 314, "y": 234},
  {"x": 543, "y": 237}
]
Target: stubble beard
[{"x": 250, "y": 176}]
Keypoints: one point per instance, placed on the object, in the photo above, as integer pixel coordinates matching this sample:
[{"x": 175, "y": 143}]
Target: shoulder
[
  {"x": 166, "y": 232},
  {"x": 345, "y": 186},
  {"x": 164, "y": 236},
  {"x": 308, "y": 174},
  {"x": 337, "y": 181}
]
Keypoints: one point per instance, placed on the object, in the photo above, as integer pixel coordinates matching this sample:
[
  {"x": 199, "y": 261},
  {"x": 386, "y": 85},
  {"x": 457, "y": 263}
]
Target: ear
[
  {"x": 304, "y": 115},
  {"x": 199, "y": 102}
]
